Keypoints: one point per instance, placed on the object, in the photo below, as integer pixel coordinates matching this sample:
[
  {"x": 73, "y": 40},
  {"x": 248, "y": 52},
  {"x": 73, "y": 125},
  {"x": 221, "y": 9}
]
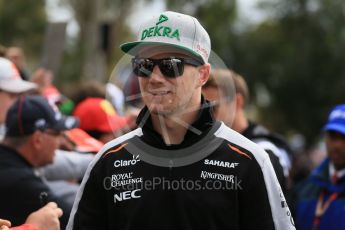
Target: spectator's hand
[
  {"x": 46, "y": 218},
  {"x": 4, "y": 224}
]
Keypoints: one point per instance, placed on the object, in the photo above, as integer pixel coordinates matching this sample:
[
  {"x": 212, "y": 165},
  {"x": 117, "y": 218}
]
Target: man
[
  {"x": 11, "y": 86},
  {"x": 321, "y": 199},
  {"x": 32, "y": 136},
  {"x": 16, "y": 55},
  {"x": 229, "y": 93},
  {"x": 180, "y": 169},
  {"x": 67, "y": 165}
]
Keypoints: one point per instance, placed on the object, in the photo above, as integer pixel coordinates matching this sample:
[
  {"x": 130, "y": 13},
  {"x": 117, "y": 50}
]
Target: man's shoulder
[
  {"x": 268, "y": 139},
  {"x": 240, "y": 143},
  {"x": 115, "y": 148},
  {"x": 10, "y": 158},
  {"x": 20, "y": 180}
]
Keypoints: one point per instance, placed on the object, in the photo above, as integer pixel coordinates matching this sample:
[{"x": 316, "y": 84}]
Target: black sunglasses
[{"x": 171, "y": 67}]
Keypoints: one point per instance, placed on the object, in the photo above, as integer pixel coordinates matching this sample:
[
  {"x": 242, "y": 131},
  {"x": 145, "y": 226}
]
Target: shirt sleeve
[
  {"x": 67, "y": 166},
  {"x": 24, "y": 227}
]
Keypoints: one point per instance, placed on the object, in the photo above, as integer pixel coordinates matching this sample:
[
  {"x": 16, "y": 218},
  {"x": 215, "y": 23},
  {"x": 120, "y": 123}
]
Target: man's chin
[
  {"x": 160, "y": 111},
  {"x": 339, "y": 165}
]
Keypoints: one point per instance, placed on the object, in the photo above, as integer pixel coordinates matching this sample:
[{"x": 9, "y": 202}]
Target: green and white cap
[{"x": 172, "y": 29}]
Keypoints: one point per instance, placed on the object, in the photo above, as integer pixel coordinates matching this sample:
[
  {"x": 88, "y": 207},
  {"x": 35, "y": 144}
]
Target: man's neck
[
  {"x": 240, "y": 122},
  {"x": 334, "y": 168},
  {"x": 174, "y": 127}
]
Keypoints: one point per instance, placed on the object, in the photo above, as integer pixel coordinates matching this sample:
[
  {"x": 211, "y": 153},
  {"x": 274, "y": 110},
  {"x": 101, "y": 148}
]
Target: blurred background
[{"x": 291, "y": 52}]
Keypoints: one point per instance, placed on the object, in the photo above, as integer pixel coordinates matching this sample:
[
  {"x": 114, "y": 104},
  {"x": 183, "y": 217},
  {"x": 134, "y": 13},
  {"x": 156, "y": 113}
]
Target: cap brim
[
  {"x": 17, "y": 86},
  {"x": 133, "y": 48},
  {"x": 66, "y": 123},
  {"x": 83, "y": 141},
  {"x": 340, "y": 128}
]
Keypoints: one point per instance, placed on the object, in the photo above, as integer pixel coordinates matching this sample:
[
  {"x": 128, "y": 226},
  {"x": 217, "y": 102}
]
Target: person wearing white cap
[
  {"x": 181, "y": 169},
  {"x": 11, "y": 85}
]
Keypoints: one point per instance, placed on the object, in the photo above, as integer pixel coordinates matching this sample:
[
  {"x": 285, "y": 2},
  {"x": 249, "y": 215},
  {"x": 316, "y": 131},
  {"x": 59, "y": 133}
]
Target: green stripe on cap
[{"x": 132, "y": 48}]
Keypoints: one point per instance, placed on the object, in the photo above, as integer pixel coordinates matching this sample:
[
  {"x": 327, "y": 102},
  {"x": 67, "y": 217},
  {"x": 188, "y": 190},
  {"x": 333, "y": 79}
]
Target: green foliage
[
  {"x": 297, "y": 55},
  {"x": 296, "y": 52},
  {"x": 218, "y": 16},
  {"x": 22, "y": 23}
]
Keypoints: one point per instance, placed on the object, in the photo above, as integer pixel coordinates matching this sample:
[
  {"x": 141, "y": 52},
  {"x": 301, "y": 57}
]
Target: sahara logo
[{"x": 224, "y": 164}]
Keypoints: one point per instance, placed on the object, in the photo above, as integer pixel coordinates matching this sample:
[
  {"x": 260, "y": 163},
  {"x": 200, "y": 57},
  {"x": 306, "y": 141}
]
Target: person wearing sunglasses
[{"x": 180, "y": 169}]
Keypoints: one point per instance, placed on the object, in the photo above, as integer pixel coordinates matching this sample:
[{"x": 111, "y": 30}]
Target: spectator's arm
[{"x": 67, "y": 166}]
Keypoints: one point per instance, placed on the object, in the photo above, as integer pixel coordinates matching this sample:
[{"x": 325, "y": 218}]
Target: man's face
[
  {"x": 16, "y": 56},
  {"x": 50, "y": 141},
  {"x": 224, "y": 110},
  {"x": 335, "y": 143},
  {"x": 7, "y": 99},
  {"x": 166, "y": 96}
]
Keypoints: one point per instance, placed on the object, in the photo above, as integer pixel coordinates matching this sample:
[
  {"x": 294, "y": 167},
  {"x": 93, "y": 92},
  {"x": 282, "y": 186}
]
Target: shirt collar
[{"x": 332, "y": 170}]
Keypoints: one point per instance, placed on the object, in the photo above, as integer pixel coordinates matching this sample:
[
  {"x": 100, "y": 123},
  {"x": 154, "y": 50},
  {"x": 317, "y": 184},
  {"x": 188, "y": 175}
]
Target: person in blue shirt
[{"x": 320, "y": 202}]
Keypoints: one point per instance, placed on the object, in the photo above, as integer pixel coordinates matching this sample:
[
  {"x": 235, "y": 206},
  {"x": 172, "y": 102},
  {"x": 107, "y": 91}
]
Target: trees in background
[
  {"x": 22, "y": 23},
  {"x": 295, "y": 53}
]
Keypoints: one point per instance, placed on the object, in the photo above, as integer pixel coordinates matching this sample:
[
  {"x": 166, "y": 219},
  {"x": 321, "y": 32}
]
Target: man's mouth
[{"x": 159, "y": 93}]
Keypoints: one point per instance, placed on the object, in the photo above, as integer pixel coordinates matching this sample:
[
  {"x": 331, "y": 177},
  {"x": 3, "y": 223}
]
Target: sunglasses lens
[
  {"x": 172, "y": 67},
  {"x": 142, "y": 67}
]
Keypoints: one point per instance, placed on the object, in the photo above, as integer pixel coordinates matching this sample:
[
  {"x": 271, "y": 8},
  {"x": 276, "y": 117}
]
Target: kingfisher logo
[
  {"x": 127, "y": 195},
  {"x": 124, "y": 163},
  {"x": 224, "y": 164}
]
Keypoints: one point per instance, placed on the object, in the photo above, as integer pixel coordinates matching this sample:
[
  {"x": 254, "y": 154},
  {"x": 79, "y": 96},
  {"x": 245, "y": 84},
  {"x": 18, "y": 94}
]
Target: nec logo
[{"x": 127, "y": 195}]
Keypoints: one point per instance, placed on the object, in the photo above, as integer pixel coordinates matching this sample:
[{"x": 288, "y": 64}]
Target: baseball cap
[
  {"x": 31, "y": 113},
  {"x": 10, "y": 80},
  {"x": 83, "y": 141},
  {"x": 336, "y": 120},
  {"x": 97, "y": 114},
  {"x": 172, "y": 29}
]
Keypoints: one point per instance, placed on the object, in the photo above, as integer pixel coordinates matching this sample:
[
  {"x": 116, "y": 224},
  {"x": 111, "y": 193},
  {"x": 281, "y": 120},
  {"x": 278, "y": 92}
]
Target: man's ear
[
  {"x": 239, "y": 101},
  {"x": 204, "y": 74},
  {"x": 36, "y": 139}
]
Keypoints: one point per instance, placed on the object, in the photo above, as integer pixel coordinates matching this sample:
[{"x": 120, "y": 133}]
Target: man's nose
[{"x": 156, "y": 75}]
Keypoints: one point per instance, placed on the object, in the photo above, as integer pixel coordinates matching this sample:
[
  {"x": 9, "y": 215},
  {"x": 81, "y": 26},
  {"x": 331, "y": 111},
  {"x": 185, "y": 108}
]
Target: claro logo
[
  {"x": 127, "y": 195},
  {"x": 123, "y": 163}
]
